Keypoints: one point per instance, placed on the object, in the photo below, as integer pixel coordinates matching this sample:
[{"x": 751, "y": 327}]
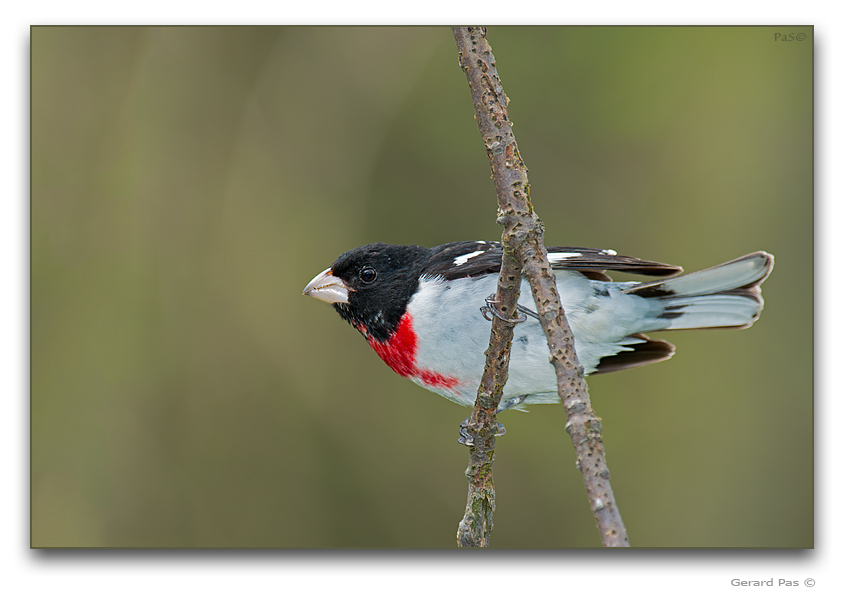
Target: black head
[{"x": 380, "y": 279}]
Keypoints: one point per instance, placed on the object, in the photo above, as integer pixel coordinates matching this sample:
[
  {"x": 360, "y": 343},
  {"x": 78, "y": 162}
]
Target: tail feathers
[
  {"x": 724, "y": 296},
  {"x": 637, "y": 350},
  {"x": 746, "y": 272},
  {"x": 712, "y": 311}
]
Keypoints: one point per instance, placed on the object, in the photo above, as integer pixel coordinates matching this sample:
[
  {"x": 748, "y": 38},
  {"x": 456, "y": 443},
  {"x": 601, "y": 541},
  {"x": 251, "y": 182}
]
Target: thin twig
[
  {"x": 476, "y": 526},
  {"x": 524, "y": 253}
]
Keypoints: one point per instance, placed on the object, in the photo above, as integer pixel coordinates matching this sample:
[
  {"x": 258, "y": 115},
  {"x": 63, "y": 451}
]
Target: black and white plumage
[{"x": 420, "y": 309}]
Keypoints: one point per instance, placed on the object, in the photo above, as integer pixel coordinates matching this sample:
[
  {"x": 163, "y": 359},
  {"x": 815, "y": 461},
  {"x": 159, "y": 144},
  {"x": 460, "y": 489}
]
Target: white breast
[{"x": 453, "y": 339}]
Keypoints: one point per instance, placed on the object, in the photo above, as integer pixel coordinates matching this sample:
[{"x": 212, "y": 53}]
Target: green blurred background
[{"x": 188, "y": 182}]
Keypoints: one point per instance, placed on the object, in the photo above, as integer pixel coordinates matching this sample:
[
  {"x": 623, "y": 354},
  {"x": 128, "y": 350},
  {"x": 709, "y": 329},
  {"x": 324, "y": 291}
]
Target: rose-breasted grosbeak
[{"x": 422, "y": 311}]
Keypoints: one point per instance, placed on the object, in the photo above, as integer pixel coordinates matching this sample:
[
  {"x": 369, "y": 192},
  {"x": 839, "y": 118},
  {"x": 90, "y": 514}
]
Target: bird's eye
[{"x": 368, "y": 275}]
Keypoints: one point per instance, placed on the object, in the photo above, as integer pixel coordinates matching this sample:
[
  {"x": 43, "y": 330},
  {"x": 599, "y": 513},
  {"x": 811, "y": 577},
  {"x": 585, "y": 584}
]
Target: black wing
[{"x": 475, "y": 258}]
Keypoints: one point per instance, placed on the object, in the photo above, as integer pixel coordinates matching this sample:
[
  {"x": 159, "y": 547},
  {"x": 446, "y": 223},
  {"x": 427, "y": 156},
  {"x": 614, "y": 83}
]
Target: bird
[{"x": 425, "y": 311}]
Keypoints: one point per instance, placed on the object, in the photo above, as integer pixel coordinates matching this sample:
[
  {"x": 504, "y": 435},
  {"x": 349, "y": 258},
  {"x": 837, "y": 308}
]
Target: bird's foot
[
  {"x": 490, "y": 308},
  {"x": 466, "y": 437}
]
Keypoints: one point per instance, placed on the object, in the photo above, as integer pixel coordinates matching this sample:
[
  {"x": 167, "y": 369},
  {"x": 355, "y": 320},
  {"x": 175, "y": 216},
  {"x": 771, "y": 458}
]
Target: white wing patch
[
  {"x": 461, "y": 260},
  {"x": 559, "y": 256},
  {"x": 609, "y": 252}
]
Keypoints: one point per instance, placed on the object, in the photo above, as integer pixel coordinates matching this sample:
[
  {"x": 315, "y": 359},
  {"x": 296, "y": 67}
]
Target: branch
[
  {"x": 524, "y": 253},
  {"x": 476, "y": 526}
]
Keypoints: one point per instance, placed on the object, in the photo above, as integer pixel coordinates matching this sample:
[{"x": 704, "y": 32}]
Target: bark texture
[{"x": 524, "y": 254}]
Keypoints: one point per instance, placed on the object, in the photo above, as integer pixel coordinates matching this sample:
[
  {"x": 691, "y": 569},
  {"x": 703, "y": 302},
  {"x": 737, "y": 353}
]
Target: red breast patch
[{"x": 399, "y": 352}]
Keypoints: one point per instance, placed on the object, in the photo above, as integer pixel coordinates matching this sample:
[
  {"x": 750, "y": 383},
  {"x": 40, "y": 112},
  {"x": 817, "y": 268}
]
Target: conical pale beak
[{"x": 327, "y": 287}]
